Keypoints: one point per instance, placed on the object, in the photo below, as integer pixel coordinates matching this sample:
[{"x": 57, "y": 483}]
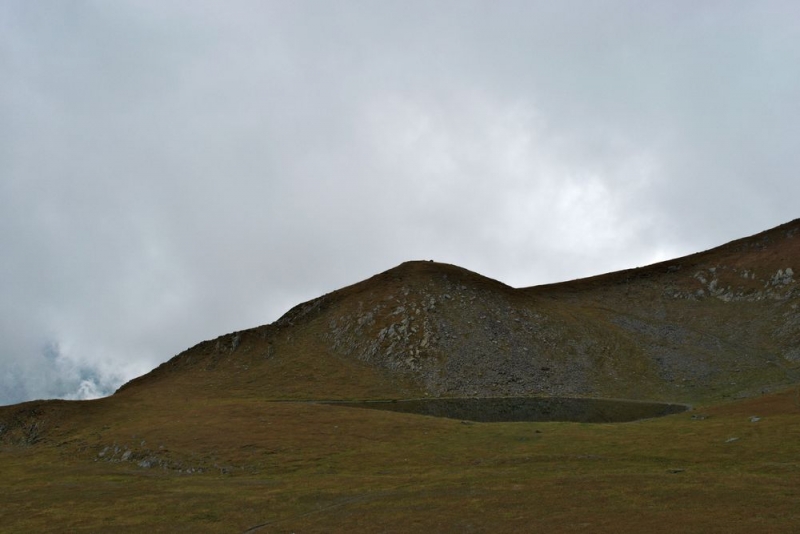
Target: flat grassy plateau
[{"x": 261, "y": 466}]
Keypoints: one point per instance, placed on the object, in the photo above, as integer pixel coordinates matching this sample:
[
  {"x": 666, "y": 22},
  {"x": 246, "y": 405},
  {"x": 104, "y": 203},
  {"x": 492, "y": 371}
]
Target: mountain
[
  {"x": 712, "y": 325},
  {"x": 227, "y": 436}
]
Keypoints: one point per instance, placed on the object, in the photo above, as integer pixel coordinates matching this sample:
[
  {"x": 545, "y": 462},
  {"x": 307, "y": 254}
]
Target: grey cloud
[{"x": 171, "y": 171}]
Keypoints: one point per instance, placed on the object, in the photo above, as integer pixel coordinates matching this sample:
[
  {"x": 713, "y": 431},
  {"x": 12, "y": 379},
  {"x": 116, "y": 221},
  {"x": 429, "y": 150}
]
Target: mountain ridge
[
  {"x": 231, "y": 434},
  {"x": 441, "y": 330}
]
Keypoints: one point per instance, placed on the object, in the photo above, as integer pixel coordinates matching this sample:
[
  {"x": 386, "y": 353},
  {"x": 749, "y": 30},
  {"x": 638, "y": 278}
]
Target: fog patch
[{"x": 56, "y": 373}]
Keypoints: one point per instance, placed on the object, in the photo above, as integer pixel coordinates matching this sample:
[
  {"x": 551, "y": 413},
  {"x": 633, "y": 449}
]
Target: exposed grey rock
[{"x": 783, "y": 277}]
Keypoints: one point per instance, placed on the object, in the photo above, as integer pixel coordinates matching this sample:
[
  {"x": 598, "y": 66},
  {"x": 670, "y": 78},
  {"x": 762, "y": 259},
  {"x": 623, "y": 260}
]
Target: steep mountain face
[
  {"x": 715, "y": 324},
  {"x": 720, "y": 323}
]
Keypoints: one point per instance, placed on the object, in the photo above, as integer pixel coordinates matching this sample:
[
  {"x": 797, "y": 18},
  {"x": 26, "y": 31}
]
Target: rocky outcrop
[{"x": 720, "y": 323}]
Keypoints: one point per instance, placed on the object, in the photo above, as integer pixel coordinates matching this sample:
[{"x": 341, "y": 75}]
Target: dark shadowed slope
[{"x": 711, "y": 325}]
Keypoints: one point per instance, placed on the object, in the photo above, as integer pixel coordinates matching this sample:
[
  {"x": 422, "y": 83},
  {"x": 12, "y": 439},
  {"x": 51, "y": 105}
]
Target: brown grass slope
[
  {"x": 130, "y": 464},
  {"x": 708, "y": 326},
  {"x": 208, "y": 443}
]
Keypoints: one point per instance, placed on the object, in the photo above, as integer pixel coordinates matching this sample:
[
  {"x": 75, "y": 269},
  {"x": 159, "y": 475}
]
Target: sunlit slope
[{"x": 717, "y": 324}]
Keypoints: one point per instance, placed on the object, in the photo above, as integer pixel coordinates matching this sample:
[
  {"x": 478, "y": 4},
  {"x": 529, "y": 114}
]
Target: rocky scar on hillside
[
  {"x": 709, "y": 325},
  {"x": 461, "y": 340},
  {"x": 715, "y": 324}
]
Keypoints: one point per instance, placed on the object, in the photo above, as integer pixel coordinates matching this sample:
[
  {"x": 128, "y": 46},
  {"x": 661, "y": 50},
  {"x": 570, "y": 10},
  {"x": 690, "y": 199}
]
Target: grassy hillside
[
  {"x": 220, "y": 438},
  {"x": 715, "y": 325}
]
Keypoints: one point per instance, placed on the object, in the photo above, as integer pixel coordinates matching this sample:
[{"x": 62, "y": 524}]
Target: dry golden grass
[
  {"x": 300, "y": 467},
  {"x": 218, "y": 440}
]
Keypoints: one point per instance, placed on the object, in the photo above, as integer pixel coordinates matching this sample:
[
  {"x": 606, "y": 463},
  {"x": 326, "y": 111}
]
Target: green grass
[
  {"x": 203, "y": 443},
  {"x": 295, "y": 467}
]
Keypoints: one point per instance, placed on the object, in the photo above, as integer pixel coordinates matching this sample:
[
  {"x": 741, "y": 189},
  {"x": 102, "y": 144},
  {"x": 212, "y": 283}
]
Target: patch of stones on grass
[
  {"x": 666, "y": 344},
  {"x": 462, "y": 340},
  {"x": 24, "y": 428},
  {"x": 395, "y": 333},
  {"x": 122, "y": 453},
  {"x": 740, "y": 285},
  {"x": 144, "y": 458}
]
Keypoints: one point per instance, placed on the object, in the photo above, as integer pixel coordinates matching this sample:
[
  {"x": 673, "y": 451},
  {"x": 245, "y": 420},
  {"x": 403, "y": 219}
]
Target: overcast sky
[{"x": 171, "y": 171}]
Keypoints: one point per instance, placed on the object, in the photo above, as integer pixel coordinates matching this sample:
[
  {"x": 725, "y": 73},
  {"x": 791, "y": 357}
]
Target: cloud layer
[{"x": 171, "y": 171}]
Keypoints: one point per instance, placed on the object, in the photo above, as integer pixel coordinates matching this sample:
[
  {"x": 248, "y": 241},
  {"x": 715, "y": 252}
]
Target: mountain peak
[{"x": 712, "y": 324}]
